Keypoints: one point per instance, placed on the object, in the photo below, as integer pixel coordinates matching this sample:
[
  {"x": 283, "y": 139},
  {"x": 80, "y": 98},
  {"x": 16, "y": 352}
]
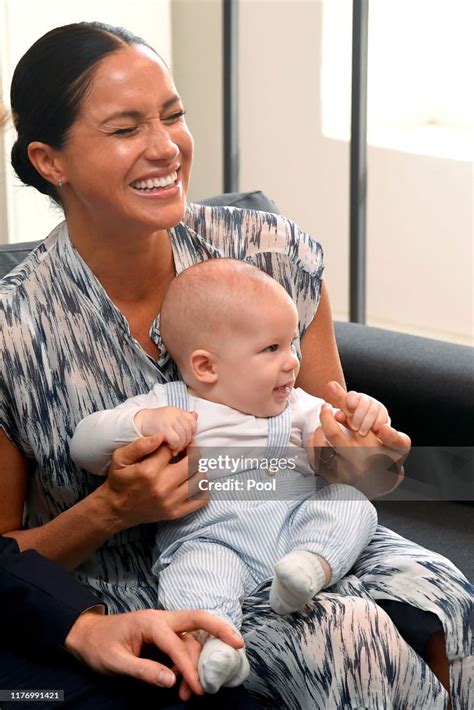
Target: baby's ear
[{"x": 203, "y": 366}]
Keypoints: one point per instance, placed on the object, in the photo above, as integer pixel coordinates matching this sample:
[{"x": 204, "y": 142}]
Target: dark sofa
[{"x": 428, "y": 387}]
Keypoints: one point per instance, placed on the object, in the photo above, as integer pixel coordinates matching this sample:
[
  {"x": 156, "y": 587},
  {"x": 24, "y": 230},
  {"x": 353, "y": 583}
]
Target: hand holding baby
[{"x": 368, "y": 454}]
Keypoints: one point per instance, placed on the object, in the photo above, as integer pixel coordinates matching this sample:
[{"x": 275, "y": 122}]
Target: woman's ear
[
  {"x": 47, "y": 162},
  {"x": 203, "y": 366}
]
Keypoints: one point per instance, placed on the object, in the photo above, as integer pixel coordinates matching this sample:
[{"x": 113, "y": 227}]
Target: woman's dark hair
[{"x": 49, "y": 85}]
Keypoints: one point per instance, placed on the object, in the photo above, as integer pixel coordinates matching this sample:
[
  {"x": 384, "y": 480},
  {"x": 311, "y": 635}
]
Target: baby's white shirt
[{"x": 98, "y": 435}]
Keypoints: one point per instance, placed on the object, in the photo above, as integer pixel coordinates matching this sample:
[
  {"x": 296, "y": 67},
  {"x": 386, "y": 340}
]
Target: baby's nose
[{"x": 291, "y": 362}]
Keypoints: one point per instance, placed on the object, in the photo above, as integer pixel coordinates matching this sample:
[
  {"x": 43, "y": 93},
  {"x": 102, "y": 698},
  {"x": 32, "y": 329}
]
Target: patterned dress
[{"x": 67, "y": 351}]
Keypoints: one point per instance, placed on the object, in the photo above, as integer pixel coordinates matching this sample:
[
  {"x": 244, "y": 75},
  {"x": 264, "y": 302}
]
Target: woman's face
[{"x": 127, "y": 160}]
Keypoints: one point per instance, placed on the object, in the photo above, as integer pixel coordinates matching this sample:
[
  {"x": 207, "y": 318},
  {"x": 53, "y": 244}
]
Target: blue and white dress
[{"x": 67, "y": 351}]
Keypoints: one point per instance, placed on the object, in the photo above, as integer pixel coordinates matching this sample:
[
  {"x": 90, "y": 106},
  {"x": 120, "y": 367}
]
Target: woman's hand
[
  {"x": 112, "y": 644},
  {"x": 357, "y": 411},
  {"x": 193, "y": 646},
  {"x": 143, "y": 487},
  {"x": 372, "y": 463}
]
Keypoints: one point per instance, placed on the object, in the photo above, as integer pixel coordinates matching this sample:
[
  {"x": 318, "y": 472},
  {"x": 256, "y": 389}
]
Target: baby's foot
[
  {"x": 220, "y": 664},
  {"x": 298, "y": 577}
]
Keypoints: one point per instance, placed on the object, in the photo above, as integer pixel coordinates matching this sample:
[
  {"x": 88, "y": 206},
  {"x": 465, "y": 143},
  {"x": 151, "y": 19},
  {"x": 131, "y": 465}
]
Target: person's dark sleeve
[{"x": 39, "y": 601}]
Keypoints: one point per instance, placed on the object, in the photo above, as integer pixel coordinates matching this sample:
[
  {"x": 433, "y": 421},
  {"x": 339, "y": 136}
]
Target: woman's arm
[
  {"x": 321, "y": 362},
  {"x": 13, "y": 485},
  {"x": 142, "y": 487},
  {"x": 321, "y": 368},
  {"x": 320, "y": 365},
  {"x": 69, "y": 538}
]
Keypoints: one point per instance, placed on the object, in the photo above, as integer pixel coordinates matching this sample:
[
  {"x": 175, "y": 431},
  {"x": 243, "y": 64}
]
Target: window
[{"x": 419, "y": 85}]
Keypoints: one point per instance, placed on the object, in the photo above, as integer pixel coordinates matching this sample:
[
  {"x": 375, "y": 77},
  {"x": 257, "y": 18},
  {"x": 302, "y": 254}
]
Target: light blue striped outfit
[
  {"x": 217, "y": 556},
  {"x": 67, "y": 351}
]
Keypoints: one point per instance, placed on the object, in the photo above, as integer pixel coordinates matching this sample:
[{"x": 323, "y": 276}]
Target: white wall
[
  {"x": 27, "y": 215},
  {"x": 197, "y": 69},
  {"x": 419, "y": 208}
]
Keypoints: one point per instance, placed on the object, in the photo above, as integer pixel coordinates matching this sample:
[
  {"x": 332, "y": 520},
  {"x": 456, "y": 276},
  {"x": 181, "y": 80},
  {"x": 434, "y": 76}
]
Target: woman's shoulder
[
  {"x": 30, "y": 276},
  {"x": 244, "y": 233}
]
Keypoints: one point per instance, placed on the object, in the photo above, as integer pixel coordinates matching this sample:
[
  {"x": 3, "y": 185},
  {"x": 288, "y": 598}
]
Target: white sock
[
  {"x": 220, "y": 664},
  {"x": 298, "y": 577}
]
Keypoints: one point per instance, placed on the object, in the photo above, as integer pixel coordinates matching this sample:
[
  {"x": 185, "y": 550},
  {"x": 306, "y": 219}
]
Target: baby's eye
[{"x": 271, "y": 349}]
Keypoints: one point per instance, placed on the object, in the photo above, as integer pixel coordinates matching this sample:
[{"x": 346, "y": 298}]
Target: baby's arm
[
  {"x": 99, "y": 434},
  {"x": 177, "y": 426}
]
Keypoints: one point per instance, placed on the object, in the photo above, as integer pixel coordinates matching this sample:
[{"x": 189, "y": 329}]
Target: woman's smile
[
  {"x": 162, "y": 188},
  {"x": 153, "y": 182}
]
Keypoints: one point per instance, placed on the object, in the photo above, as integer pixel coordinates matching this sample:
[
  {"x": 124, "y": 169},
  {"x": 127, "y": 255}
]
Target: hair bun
[{"x": 25, "y": 169}]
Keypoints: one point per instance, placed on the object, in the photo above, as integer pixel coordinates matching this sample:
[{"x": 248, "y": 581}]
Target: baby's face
[{"x": 257, "y": 364}]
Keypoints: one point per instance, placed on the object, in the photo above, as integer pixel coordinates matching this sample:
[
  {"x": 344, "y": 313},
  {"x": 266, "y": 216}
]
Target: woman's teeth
[{"x": 153, "y": 183}]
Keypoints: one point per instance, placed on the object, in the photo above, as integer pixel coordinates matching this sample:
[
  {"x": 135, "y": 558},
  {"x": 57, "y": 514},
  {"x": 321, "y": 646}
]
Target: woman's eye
[
  {"x": 125, "y": 131},
  {"x": 271, "y": 348},
  {"x": 174, "y": 117}
]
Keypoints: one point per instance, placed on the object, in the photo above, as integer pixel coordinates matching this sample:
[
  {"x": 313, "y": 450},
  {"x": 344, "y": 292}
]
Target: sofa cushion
[
  {"x": 255, "y": 200},
  {"x": 12, "y": 254}
]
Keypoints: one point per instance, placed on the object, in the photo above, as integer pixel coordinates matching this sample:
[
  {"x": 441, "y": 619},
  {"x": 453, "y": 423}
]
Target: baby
[{"x": 239, "y": 364}]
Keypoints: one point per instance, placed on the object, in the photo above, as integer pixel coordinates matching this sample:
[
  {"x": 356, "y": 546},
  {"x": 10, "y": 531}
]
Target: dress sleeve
[
  {"x": 15, "y": 368},
  {"x": 292, "y": 257},
  {"x": 307, "y": 266},
  {"x": 7, "y": 421},
  {"x": 99, "y": 434}
]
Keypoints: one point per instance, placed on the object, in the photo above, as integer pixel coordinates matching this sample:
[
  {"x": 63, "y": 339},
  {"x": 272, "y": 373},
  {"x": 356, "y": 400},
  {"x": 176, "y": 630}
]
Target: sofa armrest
[{"x": 427, "y": 385}]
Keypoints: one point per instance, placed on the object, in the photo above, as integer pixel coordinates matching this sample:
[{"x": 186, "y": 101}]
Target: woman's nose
[{"x": 161, "y": 147}]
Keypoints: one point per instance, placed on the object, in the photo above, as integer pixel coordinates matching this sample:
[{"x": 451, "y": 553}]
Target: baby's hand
[
  {"x": 177, "y": 426},
  {"x": 358, "y": 412}
]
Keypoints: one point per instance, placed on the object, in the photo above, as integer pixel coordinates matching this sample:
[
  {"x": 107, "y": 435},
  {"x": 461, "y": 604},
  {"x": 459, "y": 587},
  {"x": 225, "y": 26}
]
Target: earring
[{"x": 60, "y": 184}]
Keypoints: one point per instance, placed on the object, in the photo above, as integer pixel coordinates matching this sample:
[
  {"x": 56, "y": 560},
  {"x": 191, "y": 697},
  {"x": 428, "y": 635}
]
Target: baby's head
[{"x": 232, "y": 330}]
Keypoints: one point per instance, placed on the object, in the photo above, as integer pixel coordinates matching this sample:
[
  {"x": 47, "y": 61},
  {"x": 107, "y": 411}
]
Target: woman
[{"x": 101, "y": 130}]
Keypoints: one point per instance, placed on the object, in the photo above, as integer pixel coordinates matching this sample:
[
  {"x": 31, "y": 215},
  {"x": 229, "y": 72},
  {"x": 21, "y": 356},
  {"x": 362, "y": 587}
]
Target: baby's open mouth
[{"x": 283, "y": 390}]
